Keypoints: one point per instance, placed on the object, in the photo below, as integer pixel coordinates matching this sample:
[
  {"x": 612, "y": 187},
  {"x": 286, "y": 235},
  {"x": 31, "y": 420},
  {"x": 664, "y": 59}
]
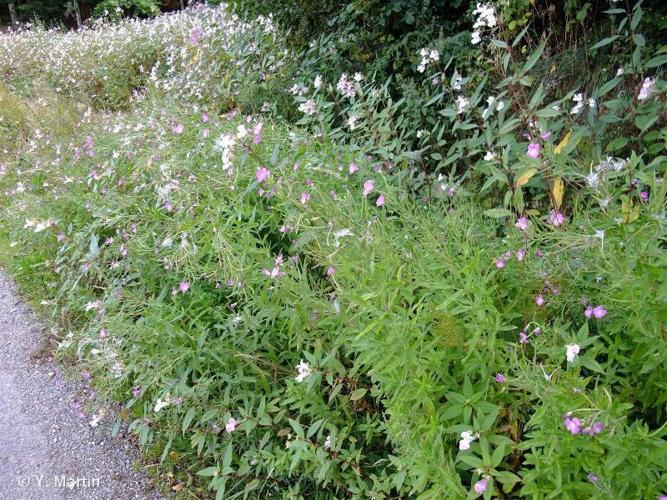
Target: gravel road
[{"x": 48, "y": 450}]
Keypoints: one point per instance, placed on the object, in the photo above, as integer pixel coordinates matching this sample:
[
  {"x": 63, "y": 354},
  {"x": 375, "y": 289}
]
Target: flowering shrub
[{"x": 303, "y": 310}]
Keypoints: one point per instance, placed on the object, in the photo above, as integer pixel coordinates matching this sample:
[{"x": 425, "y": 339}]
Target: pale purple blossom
[
  {"x": 556, "y": 218},
  {"x": 481, "y": 486},
  {"x": 573, "y": 425},
  {"x": 231, "y": 425},
  {"x": 262, "y": 174},
  {"x": 380, "y": 201},
  {"x": 500, "y": 378},
  {"x": 533, "y": 150},
  {"x": 368, "y": 187},
  {"x": 594, "y": 429},
  {"x": 522, "y": 223}
]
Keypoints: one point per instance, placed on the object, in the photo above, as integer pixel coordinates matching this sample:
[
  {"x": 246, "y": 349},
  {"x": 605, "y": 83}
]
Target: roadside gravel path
[{"x": 45, "y": 444}]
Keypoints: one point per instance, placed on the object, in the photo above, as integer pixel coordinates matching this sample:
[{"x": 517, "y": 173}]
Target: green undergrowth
[{"x": 192, "y": 293}]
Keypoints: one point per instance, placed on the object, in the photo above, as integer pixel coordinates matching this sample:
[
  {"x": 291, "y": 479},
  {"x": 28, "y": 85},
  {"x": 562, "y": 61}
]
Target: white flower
[
  {"x": 500, "y": 105},
  {"x": 428, "y": 56},
  {"x": 461, "y": 104},
  {"x": 421, "y": 133},
  {"x": 457, "y": 81},
  {"x": 304, "y": 371},
  {"x": 352, "y": 122},
  {"x": 318, "y": 82},
  {"x": 571, "y": 351},
  {"x": 620, "y": 71},
  {"x": 308, "y": 107},
  {"x": 467, "y": 437},
  {"x": 241, "y": 131},
  {"x": 475, "y": 38},
  {"x": 647, "y": 88},
  {"x": 327, "y": 443},
  {"x": 593, "y": 180},
  {"x": 358, "y": 77},
  {"x": 490, "y": 156},
  {"x": 591, "y": 103},
  {"x": 162, "y": 403},
  {"x": 345, "y": 86}
]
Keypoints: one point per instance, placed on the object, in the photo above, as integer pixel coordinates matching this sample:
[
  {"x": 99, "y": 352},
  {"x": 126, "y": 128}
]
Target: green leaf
[
  {"x": 187, "y": 420},
  {"x": 358, "y": 394},
  {"x": 297, "y": 428},
  {"x": 643, "y": 122},
  {"x": 208, "y": 471},
  {"x": 472, "y": 461},
  {"x": 605, "y": 41},
  {"x": 607, "y": 87},
  {"x": 534, "y": 57},
  {"x": 93, "y": 248},
  {"x": 656, "y": 61},
  {"x": 617, "y": 144},
  {"x": 497, "y": 213},
  {"x": 520, "y": 36}
]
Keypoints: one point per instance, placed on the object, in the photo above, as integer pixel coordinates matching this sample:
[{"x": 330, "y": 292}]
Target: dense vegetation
[{"x": 387, "y": 261}]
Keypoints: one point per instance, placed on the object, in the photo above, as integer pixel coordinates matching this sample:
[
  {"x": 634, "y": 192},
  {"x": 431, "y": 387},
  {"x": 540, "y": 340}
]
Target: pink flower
[
  {"x": 533, "y": 150},
  {"x": 520, "y": 254},
  {"x": 204, "y": 117},
  {"x": 195, "y": 35},
  {"x": 368, "y": 187},
  {"x": 523, "y": 338},
  {"x": 380, "y": 201},
  {"x": 257, "y": 133},
  {"x": 177, "y": 128},
  {"x": 594, "y": 429},
  {"x": 500, "y": 263},
  {"x": 573, "y": 425},
  {"x": 261, "y": 174},
  {"x": 184, "y": 286},
  {"x": 500, "y": 378},
  {"x": 599, "y": 312},
  {"x": 136, "y": 390},
  {"x": 522, "y": 223},
  {"x": 123, "y": 250},
  {"x": 588, "y": 312},
  {"x": 231, "y": 425},
  {"x": 353, "y": 168},
  {"x": 539, "y": 300},
  {"x": 545, "y": 135},
  {"x": 331, "y": 270},
  {"x": 481, "y": 486},
  {"x": 643, "y": 196},
  {"x": 305, "y": 196},
  {"x": 556, "y": 218}
]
